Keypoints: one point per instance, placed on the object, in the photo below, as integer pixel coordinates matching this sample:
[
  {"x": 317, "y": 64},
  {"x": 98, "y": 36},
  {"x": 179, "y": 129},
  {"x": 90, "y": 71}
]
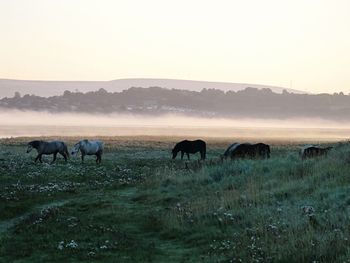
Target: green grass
[{"x": 141, "y": 206}]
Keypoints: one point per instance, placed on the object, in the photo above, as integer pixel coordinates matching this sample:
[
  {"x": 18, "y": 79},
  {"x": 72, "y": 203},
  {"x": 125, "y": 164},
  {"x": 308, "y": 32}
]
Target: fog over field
[{"x": 29, "y": 123}]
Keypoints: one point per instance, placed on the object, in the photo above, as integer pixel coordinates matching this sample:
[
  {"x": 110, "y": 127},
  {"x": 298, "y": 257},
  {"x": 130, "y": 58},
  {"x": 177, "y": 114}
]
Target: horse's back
[
  {"x": 58, "y": 143},
  {"x": 191, "y": 146},
  {"x": 200, "y": 143},
  {"x": 99, "y": 143},
  {"x": 311, "y": 151},
  {"x": 262, "y": 146},
  {"x": 94, "y": 146},
  {"x": 52, "y": 147}
]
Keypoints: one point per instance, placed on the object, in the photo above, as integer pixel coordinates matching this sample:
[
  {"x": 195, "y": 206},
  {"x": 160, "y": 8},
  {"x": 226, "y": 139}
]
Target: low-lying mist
[{"x": 30, "y": 123}]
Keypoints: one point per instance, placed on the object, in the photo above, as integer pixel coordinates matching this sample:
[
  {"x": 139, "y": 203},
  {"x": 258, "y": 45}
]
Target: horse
[
  {"x": 249, "y": 150},
  {"x": 87, "y": 147},
  {"x": 190, "y": 147},
  {"x": 314, "y": 151},
  {"x": 47, "y": 148},
  {"x": 262, "y": 150},
  {"x": 229, "y": 150}
]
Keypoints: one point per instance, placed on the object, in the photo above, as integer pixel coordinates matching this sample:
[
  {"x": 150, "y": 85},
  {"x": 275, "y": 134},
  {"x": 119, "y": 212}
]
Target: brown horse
[
  {"x": 243, "y": 150},
  {"x": 190, "y": 147},
  {"x": 314, "y": 151}
]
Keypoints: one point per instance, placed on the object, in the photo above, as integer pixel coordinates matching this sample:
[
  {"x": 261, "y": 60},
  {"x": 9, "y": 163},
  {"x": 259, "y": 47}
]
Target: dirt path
[{"x": 168, "y": 250}]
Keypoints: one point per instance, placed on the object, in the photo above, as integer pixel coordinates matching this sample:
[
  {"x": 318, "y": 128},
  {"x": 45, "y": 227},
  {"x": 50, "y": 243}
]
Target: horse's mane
[
  {"x": 35, "y": 143},
  {"x": 178, "y": 145},
  {"x": 231, "y": 148},
  {"x": 303, "y": 148}
]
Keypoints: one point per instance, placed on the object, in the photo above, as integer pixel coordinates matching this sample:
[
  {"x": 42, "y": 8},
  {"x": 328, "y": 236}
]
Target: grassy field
[{"x": 141, "y": 206}]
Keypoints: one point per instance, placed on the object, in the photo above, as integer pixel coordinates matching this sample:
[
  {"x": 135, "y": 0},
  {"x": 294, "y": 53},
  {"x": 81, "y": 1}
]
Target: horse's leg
[
  {"x": 82, "y": 158},
  {"x": 54, "y": 158},
  {"x": 182, "y": 155},
  {"x": 99, "y": 157},
  {"x": 203, "y": 154},
  {"x": 40, "y": 158},
  {"x": 188, "y": 156},
  {"x": 64, "y": 155},
  {"x": 36, "y": 158}
]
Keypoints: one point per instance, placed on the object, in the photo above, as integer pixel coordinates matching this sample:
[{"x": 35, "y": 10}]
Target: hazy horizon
[
  {"x": 8, "y": 87},
  {"x": 17, "y": 123},
  {"x": 290, "y": 44}
]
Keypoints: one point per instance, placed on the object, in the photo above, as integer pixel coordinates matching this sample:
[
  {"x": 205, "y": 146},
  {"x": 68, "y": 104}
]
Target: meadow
[{"x": 141, "y": 206}]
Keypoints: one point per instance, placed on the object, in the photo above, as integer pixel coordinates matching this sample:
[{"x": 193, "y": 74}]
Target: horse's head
[
  {"x": 30, "y": 147},
  {"x": 223, "y": 157},
  {"x": 33, "y": 144},
  {"x": 75, "y": 149}
]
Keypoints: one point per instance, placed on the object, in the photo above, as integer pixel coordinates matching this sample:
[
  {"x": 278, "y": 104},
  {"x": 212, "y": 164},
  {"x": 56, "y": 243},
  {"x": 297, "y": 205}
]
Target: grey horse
[
  {"x": 87, "y": 147},
  {"x": 47, "y": 148}
]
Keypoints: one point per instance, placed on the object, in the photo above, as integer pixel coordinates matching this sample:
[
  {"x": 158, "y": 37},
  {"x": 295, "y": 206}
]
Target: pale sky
[{"x": 303, "y": 44}]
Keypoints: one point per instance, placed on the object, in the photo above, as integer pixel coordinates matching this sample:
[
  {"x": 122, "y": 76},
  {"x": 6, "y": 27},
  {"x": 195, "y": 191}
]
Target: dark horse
[
  {"x": 243, "y": 150},
  {"x": 47, "y": 148},
  {"x": 190, "y": 147},
  {"x": 313, "y": 151}
]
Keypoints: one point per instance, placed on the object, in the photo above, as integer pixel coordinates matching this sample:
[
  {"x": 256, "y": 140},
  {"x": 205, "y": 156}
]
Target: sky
[{"x": 297, "y": 44}]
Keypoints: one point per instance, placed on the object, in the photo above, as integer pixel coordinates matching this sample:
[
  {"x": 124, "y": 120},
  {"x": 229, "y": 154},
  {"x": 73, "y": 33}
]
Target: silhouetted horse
[
  {"x": 47, "y": 148},
  {"x": 190, "y": 147},
  {"x": 258, "y": 150},
  {"x": 313, "y": 151},
  {"x": 229, "y": 150}
]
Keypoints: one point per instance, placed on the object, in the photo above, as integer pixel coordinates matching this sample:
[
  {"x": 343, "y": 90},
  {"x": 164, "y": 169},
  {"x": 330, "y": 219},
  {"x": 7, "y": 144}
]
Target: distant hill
[
  {"x": 247, "y": 103},
  {"x": 53, "y": 88}
]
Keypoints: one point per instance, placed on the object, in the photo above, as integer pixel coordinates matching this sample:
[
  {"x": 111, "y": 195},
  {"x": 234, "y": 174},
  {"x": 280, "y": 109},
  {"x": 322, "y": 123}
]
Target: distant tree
[
  {"x": 266, "y": 90},
  {"x": 102, "y": 91},
  {"x": 66, "y": 93},
  {"x": 17, "y": 95},
  {"x": 122, "y": 108}
]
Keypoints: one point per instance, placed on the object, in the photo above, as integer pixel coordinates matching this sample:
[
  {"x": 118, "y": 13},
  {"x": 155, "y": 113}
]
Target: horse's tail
[
  {"x": 268, "y": 151},
  {"x": 66, "y": 150}
]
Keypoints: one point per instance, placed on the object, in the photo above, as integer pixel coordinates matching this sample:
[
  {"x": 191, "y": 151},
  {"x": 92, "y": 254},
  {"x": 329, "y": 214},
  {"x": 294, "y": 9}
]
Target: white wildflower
[
  {"x": 72, "y": 244},
  {"x": 60, "y": 245}
]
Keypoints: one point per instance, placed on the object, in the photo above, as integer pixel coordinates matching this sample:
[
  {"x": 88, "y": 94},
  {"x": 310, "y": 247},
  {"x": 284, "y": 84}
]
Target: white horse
[{"x": 87, "y": 147}]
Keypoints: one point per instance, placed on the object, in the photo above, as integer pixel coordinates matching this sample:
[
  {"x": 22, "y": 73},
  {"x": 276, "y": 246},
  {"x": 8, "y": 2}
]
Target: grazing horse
[
  {"x": 229, "y": 150},
  {"x": 258, "y": 150},
  {"x": 190, "y": 147},
  {"x": 313, "y": 151},
  {"x": 87, "y": 147},
  {"x": 262, "y": 150},
  {"x": 47, "y": 148}
]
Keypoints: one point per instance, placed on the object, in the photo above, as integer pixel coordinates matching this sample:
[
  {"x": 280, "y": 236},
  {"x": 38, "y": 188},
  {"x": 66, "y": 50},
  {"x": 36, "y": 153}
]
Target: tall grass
[
  {"x": 254, "y": 210},
  {"x": 139, "y": 205}
]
